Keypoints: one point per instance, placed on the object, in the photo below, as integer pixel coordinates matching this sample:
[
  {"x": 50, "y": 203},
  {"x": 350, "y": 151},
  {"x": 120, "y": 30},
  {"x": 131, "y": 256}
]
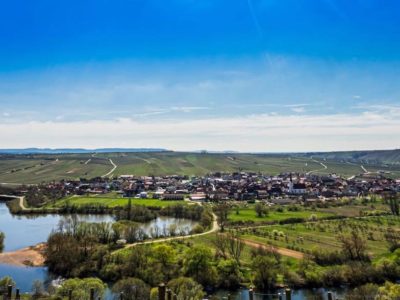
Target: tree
[
  {"x": 265, "y": 269},
  {"x": 235, "y": 246},
  {"x": 164, "y": 255},
  {"x": 129, "y": 209},
  {"x": 364, "y": 292},
  {"x": 354, "y": 246},
  {"x": 229, "y": 274},
  {"x": 393, "y": 239},
  {"x": 132, "y": 289},
  {"x": 62, "y": 253},
  {"x": 81, "y": 288},
  {"x": 393, "y": 201},
  {"x": 38, "y": 289},
  {"x": 6, "y": 281},
  {"x": 206, "y": 219},
  {"x": 260, "y": 209},
  {"x": 186, "y": 289},
  {"x": 220, "y": 242},
  {"x": 222, "y": 211},
  {"x": 198, "y": 265},
  {"x": 390, "y": 291}
]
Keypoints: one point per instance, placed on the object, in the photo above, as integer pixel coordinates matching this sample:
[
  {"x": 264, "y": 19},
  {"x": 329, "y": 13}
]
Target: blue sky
[{"x": 248, "y": 75}]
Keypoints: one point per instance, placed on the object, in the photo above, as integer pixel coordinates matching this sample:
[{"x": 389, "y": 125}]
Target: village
[{"x": 283, "y": 189}]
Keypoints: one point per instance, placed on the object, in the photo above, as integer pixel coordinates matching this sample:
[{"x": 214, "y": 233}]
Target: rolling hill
[{"x": 36, "y": 168}]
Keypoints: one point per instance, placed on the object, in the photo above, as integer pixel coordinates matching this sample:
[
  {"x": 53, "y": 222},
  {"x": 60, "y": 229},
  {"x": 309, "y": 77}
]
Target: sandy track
[{"x": 281, "y": 251}]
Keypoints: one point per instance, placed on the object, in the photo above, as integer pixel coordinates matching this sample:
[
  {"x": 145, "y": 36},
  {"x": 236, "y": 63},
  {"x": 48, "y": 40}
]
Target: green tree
[
  {"x": 229, "y": 274},
  {"x": 81, "y": 288},
  {"x": 364, "y": 292},
  {"x": 186, "y": 289},
  {"x": 390, "y": 291},
  {"x": 261, "y": 210},
  {"x": 393, "y": 238},
  {"x": 222, "y": 211},
  {"x": 132, "y": 289},
  {"x": 265, "y": 269},
  {"x": 354, "y": 246},
  {"x": 6, "y": 281},
  {"x": 198, "y": 264},
  {"x": 165, "y": 256}
]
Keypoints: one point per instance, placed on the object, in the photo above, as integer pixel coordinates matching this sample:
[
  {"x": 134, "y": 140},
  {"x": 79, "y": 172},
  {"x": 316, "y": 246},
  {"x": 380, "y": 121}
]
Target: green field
[
  {"x": 111, "y": 202},
  {"x": 38, "y": 168},
  {"x": 249, "y": 214},
  {"x": 305, "y": 237}
]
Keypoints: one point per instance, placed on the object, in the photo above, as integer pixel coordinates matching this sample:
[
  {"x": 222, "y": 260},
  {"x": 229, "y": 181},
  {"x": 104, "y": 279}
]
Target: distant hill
[
  {"x": 391, "y": 157},
  {"x": 78, "y": 150},
  {"x": 42, "y": 167}
]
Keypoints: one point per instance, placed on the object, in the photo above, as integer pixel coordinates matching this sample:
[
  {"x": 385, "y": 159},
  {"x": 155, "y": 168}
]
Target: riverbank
[{"x": 30, "y": 256}]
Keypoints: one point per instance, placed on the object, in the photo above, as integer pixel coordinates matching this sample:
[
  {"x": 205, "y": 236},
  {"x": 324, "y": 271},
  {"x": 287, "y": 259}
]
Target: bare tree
[
  {"x": 222, "y": 211},
  {"x": 220, "y": 243},
  {"x": 236, "y": 246}
]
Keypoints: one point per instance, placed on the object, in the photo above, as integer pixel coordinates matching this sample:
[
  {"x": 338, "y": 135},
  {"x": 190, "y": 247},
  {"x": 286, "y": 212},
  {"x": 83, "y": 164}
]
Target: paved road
[{"x": 112, "y": 170}]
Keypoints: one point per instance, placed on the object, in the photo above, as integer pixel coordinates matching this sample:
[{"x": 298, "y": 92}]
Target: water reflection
[{"x": 26, "y": 230}]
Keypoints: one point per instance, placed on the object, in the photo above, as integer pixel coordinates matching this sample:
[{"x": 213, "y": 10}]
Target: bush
[
  {"x": 132, "y": 289},
  {"x": 197, "y": 229}
]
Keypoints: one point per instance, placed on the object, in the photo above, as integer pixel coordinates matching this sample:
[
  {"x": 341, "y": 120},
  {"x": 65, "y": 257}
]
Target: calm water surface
[{"x": 27, "y": 230}]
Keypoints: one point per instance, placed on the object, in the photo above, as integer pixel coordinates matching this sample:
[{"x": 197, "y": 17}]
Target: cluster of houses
[{"x": 241, "y": 186}]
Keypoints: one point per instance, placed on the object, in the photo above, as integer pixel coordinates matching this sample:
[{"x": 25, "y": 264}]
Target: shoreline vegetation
[{"x": 352, "y": 242}]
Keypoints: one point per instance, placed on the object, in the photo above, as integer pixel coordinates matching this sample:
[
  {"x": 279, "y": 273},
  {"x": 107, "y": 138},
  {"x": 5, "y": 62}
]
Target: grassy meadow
[
  {"x": 110, "y": 202},
  {"x": 248, "y": 213}
]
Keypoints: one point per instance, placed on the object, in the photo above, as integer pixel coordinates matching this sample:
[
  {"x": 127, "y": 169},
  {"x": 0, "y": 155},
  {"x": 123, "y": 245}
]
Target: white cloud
[
  {"x": 257, "y": 132},
  {"x": 298, "y": 109}
]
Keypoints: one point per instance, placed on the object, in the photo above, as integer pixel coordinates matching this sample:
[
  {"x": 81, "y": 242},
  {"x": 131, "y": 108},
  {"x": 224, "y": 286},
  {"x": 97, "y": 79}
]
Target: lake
[{"x": 27, "y": 230}]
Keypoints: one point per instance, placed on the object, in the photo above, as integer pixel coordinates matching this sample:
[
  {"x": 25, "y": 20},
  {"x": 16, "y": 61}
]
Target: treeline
[
  {"x": 36, "y": 196},
  {"x": 77, "y": 248}
]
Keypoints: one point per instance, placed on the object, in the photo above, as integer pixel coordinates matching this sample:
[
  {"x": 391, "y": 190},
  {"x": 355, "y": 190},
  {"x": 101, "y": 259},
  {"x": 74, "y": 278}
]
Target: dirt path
[
  {"x": 364, "y": 169},
  {"x": 112, "y": 170},
  {"x": 282, "y": 251},
  {"x": 324, "y": 167},
  {"x": 30, "y": 256},
  {"x": 21, "y": 200}
]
